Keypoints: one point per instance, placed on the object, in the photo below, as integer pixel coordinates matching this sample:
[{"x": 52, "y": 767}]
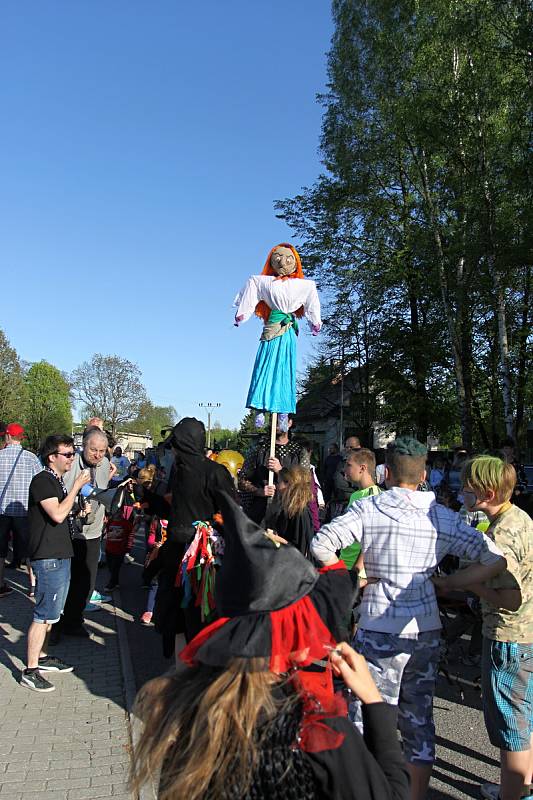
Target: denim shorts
[
  {"x": 405, "y": 671},
  {"x": 507, "y": 682},
  {"x": 52, "y": 582}
]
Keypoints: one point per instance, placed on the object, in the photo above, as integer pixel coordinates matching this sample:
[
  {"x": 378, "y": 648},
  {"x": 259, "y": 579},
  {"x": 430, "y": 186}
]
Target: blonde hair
[
  {"x": 200, "y": 729},
  {"x": 489, "y": 472},
  {"x": 298, "y": 493},
  {"x": 147, "y": 474},
  {"x": 363, "y": 456}
]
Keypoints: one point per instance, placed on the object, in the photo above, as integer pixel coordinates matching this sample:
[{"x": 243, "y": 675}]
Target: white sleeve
[
  {"x": 319, "y": 493},
  {"x": 247, "y": 299},
  {"x": 312, "y": 307},
  {"x": 338, "y": 534}
]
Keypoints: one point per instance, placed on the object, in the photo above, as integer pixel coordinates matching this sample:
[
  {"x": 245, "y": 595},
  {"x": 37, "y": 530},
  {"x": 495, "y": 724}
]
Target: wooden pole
[{"x": 273, "y": 427}]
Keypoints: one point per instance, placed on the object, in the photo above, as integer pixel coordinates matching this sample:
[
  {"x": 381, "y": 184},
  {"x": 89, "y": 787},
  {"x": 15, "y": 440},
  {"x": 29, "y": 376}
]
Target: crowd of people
[{"x": 309, "y": 603}]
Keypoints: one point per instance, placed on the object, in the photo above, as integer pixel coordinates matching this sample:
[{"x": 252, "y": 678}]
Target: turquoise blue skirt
[{"x": 273, "y": 384}]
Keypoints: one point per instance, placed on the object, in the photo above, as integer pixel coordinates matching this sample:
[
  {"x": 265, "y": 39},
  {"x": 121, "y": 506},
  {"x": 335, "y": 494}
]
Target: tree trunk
[
  {"x": 417, "y": 358},
  {"x": 523, "y": 334},
  {"x": 464, "y": 401}
]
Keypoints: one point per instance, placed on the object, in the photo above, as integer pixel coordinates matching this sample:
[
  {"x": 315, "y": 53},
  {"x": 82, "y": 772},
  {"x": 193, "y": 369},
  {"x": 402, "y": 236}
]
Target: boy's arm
[
  {"x": 472, "y": 545},
  {"x": 341, "y": 532},
  {"x": 473, "y": 575},
  {"x": 510, "y": 599}
]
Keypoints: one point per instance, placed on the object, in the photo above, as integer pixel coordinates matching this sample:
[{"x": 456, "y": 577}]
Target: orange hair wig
[{"x": 262, "y": 309}]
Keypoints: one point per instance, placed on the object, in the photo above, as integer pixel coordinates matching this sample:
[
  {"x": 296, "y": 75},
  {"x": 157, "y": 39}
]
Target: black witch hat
[
  {"x": 256, "y": 574},
  {"x": 272, "y": 602}
]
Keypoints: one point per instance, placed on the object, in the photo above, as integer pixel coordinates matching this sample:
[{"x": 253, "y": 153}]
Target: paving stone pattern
[{"x": 73, "y": 743}]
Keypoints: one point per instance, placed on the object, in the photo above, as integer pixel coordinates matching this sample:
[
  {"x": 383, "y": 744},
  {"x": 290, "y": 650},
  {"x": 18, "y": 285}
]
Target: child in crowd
[
  {"x": 404, "y": 534},
  {"x": 119, "y": 535},
  {"x": 156, "y": 538},
  {"x": 290, "y": 517},
  {"x": 507, "y": 608},
  {"x": 360, "y": 469},
  {"x": 317, "y": 504}
]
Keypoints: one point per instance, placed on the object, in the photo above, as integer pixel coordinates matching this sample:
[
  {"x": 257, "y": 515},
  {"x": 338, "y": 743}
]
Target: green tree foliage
[
  {"x": 12, "y": 386},
  {"x": 420, "y": 230},
  {"x": 153, "y": 418},
  {"x": 109, "y": 387},
  {"x": 247, "y": 433},
  {"x": 48, "y": 403}
]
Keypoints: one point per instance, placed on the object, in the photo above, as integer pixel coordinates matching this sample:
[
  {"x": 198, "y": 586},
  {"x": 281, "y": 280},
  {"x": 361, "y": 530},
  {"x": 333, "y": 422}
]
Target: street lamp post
[{"x": 209, "y": 406}]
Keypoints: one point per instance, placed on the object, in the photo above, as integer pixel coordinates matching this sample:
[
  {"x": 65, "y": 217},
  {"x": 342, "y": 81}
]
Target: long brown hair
[
  {"x": 200, "y": 729},
  {"x": 298, "y": 493}
]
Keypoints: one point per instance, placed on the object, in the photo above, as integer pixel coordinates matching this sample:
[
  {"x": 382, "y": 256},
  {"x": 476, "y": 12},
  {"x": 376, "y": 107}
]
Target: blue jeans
[{"x": 53, "y": 579}]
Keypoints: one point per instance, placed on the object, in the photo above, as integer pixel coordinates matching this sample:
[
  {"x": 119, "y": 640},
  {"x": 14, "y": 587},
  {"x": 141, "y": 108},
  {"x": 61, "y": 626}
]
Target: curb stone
[{"x": 148, "y": 791}]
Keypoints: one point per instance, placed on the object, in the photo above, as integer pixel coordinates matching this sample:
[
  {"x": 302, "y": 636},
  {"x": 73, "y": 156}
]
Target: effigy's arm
[
  {"x": 312, "y": 309},
  {"x": 246, "y": 300}
]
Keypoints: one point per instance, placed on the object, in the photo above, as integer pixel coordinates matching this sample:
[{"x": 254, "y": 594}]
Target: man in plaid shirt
[
  {"x": 17, "y": 468},
  {"x": 404, "y": 534}
]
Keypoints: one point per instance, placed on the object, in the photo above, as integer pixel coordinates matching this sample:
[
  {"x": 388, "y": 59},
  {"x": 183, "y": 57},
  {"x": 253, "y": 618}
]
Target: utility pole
[
  {"x": 341, "y": 431},
  {"x": 209, "y": 406}
]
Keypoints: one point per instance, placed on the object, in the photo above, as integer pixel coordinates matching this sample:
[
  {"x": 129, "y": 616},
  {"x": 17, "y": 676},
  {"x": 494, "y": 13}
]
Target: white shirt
[
  {"x": 284, "y": 295},
  {"x": 122, "y": 464}
]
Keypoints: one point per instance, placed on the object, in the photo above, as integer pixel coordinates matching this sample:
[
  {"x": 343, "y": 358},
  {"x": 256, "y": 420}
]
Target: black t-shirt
[{"x": 48, "y": 539}]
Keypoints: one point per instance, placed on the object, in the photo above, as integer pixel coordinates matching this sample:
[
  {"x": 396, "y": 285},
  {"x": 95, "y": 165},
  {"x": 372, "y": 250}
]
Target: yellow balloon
[{"x": 232, "y": 460}]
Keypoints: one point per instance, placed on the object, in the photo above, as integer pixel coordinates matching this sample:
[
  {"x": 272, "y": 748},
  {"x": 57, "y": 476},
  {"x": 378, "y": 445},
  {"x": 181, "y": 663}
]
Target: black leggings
[{"x": 114, "y": 562}]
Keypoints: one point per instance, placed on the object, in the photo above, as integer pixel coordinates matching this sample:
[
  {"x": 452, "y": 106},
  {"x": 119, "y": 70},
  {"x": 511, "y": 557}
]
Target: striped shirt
[
  {"x": 14, "y": 501},
  {"x": 404, "y": 535}
]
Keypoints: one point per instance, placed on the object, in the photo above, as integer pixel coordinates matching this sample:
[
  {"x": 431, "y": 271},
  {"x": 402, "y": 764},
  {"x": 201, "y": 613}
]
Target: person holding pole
[{"x": 254, "y": 474}]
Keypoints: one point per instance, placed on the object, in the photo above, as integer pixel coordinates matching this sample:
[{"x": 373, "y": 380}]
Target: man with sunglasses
[
  {"x": 87, "y": 535},
  {"x": 51, "y": 528}
]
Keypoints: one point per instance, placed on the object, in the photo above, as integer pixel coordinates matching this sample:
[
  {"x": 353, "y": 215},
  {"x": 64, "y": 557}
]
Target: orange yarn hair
[{"x": 262, "y": 309}]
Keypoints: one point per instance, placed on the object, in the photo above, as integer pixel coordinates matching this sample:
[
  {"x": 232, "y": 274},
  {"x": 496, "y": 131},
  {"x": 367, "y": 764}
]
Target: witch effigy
[{"x": 280, "y": 296}]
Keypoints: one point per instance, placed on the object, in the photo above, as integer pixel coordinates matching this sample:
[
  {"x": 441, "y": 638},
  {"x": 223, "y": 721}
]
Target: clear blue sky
[{"x": 143, "y": 146}]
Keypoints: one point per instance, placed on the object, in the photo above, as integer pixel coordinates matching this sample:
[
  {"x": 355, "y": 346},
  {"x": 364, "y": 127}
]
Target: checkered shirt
[
  {"x": 404, "y": 535},
  {"x": 15, "y": 500}
]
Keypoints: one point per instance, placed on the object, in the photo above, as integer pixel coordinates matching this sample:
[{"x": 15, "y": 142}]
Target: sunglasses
[{"x": 65, "y": 455}]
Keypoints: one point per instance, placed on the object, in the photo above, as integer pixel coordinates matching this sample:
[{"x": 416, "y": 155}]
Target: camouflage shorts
[{"x": 405, "y": 671}]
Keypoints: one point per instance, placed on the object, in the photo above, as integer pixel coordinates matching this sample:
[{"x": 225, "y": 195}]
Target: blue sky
[{"x": 143, "y": 147}]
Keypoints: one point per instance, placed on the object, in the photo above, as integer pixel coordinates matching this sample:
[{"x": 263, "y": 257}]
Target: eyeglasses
[{"x": 65, "y": 455}]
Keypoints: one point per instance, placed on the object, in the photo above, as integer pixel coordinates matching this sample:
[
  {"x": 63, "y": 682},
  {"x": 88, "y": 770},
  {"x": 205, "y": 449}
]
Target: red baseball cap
[{"x": 15, "y": 430}]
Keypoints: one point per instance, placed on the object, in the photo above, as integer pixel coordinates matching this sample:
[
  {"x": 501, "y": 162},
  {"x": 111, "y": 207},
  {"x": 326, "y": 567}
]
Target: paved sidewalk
[{"x": 74, "y": 743}]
